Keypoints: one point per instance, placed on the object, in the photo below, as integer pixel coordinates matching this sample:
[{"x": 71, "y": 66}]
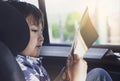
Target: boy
[{"x": 28, "y": 59}]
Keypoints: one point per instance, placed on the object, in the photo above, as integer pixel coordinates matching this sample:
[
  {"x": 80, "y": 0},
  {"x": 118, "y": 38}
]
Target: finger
[
  {"x": 83, "y": 64},
  {"x": 77, "y": 58},
  {"x": 69, "y": 60}
]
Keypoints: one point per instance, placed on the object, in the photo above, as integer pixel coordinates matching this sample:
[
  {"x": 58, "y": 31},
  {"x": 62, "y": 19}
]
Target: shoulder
[
  {"x": 23, "y": 62},
  {"x": 20, "y": 59},
  {"x": 28, "y": 70}
]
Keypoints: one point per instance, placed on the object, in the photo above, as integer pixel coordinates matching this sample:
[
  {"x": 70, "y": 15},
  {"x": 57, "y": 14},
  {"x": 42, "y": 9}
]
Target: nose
[{"x": 41, "y": 38}]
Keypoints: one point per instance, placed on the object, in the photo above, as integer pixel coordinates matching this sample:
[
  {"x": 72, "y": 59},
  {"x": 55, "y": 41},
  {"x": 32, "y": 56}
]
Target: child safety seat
[{"x": 14, "y": 36}]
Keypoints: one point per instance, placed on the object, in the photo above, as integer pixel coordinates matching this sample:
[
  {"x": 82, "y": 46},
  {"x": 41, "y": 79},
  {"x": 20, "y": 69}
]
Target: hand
[
  {"x": 62, "y": 75},
  {"x": 77, "y": 68}
]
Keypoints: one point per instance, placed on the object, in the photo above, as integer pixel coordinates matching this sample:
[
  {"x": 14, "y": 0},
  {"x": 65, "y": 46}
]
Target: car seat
[{"x": 14, "y": 36}]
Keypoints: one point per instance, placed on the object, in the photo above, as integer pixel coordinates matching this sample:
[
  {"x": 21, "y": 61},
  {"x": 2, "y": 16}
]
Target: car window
[{"x": 64, "y": 15}]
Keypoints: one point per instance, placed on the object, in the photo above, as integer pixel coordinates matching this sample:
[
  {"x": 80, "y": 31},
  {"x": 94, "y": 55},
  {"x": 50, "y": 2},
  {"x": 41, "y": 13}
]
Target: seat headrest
[{"x": 14, "y": 31}]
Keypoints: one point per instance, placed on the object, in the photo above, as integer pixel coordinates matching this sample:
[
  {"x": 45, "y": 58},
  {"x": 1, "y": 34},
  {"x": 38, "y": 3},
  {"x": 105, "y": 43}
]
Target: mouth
[{"x": 38, "y": 46}]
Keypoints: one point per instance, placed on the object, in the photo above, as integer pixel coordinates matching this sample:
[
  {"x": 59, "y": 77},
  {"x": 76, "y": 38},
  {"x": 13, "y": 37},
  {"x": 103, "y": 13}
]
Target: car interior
[{"x": 14, "y": 36}]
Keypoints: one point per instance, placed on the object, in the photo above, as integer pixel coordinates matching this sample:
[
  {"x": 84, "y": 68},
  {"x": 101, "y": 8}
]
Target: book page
[
  {"x": 79, "y": 47},
  {"x": 85, "y": 35}
]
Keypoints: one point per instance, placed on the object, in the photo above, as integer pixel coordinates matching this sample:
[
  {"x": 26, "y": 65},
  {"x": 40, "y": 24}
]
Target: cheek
[
  {"x": 33, "y": 40},
  {"x": 32, "y": 37}
]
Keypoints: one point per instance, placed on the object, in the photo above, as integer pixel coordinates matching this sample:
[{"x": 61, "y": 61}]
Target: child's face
[{"x": 36, "y": 39}]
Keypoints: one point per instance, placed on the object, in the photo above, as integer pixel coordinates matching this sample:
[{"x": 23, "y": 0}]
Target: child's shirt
[{"x": 32, "y": 68}]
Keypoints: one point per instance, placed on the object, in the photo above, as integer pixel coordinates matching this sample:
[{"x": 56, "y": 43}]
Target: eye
[{"x": 34, "y": 30}]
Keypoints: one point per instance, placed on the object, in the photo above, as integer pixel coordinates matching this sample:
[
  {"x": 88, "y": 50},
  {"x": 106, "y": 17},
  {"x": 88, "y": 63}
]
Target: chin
[{"x": 37, "y": 55}]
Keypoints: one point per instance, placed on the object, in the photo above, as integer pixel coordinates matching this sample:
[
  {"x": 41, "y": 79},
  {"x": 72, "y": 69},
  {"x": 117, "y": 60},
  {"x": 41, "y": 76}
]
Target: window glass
[{"x": 64, "y": 15}]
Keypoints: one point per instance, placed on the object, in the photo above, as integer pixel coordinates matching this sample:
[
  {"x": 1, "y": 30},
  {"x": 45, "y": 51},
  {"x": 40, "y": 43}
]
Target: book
[{"x": 85, "y": 36}]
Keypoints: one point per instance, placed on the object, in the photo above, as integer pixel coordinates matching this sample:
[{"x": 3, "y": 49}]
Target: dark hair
[{"x": 27, "y": 9}]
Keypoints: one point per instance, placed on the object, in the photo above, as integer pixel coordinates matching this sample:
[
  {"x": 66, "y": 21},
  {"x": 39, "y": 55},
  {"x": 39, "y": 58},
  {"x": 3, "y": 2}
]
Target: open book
[{"x": 85, "y": 35}]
